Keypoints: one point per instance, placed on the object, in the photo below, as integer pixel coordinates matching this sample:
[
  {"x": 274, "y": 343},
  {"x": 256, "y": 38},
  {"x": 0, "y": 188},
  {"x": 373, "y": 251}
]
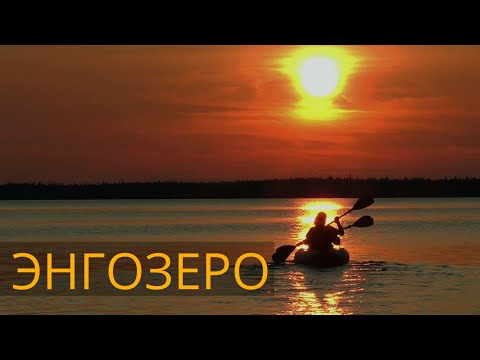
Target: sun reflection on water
[
  {"x": 307, "y": 302},
  {"x": 335, "y": 290},
  {"x": 309, "y": 211}
]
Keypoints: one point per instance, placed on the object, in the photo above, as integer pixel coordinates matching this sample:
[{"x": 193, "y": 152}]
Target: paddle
[
  {"x": 361, "y": 203},
  {"x": 283, "y": 252},
  {"x": 364, "y": 221}
]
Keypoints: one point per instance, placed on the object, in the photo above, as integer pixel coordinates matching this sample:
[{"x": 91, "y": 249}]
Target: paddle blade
[
  {"x": 363, "y": 202},
  {"x": 364, "y": 221},
  {"x": 282, "y": 253}
]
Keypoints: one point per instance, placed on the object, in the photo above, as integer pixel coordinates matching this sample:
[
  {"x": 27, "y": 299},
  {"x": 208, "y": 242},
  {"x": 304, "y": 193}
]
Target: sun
[{"x": 319, "y": 76}]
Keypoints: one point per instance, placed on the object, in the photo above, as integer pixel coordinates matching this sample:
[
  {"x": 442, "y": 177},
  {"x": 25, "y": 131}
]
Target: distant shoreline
[{"x": 251, "y": 189}]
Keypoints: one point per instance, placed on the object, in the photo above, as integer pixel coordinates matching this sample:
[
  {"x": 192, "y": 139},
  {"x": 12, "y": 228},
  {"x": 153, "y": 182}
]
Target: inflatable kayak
[{"x": 336, "y": 257}]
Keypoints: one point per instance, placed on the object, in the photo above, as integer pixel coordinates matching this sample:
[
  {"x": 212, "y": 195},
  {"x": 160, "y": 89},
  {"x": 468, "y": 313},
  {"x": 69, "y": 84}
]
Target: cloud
[{"x": 146, "y": 112}]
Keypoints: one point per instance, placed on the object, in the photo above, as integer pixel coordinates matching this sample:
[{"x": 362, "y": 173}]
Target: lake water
[{"x": 422, "y": 256}]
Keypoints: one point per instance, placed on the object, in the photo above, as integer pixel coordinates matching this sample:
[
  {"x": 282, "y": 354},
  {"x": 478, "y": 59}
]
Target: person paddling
[{"x": 321, "y": 237}]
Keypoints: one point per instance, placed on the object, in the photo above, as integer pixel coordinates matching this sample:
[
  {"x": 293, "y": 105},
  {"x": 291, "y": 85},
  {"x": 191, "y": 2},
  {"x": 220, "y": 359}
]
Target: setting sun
[{"x": 319, "y": 76}]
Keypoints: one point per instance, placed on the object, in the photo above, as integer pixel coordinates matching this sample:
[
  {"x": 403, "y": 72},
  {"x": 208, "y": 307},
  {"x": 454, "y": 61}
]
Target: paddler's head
[{"x": 320, "y": 219}]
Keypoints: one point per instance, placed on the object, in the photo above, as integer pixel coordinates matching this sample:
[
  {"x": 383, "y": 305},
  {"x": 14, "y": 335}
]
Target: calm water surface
[{"x": 422, "y": 256}]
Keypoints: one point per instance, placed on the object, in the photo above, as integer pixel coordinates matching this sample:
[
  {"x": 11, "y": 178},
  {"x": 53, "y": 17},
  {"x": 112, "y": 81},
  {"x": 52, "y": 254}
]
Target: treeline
[{"x": 276, "y": 188}]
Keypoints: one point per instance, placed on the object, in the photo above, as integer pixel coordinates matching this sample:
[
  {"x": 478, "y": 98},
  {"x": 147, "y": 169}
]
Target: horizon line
[{"x": 350, "y": 178}]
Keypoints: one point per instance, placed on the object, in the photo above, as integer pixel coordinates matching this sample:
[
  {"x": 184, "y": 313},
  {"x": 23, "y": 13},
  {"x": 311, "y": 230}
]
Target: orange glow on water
[
  {"x": 307, "y": 302},
  {"x": 310, "y": 209}
]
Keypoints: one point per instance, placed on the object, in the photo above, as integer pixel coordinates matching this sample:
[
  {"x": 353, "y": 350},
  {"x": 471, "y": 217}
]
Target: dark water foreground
[{"x": 422, "y": 256}]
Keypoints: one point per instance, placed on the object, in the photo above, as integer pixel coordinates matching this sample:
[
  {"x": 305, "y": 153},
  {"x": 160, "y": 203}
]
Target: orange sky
[{"x": 94, "y": 113}]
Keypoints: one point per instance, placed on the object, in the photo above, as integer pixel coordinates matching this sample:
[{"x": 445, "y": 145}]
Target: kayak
[{"x": 337, "y": 257}]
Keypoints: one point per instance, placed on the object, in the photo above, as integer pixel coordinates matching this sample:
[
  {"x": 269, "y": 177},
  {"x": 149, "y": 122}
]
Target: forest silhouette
[{"x": 274, "y": 188}]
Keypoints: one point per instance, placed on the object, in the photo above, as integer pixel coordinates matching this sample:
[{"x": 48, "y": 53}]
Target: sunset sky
[{"x": 141, "y": 113}]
